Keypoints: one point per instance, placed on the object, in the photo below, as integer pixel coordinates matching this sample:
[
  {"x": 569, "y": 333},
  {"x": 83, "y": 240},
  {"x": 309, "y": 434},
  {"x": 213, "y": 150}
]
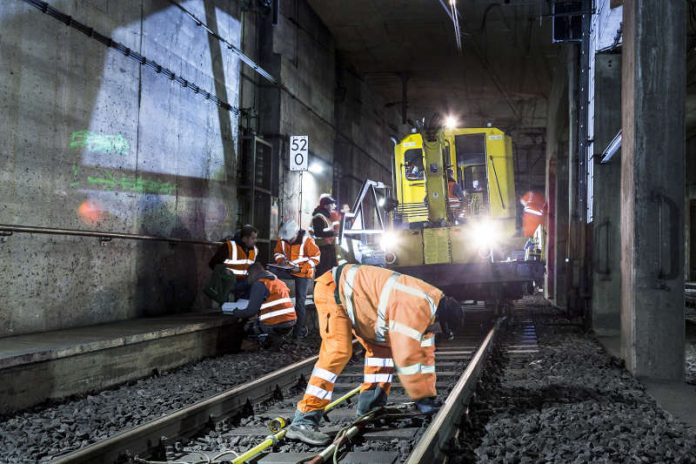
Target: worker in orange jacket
[
  {"x": 298, "y": 250},
  {"x": 325, "y": 227},
  {"x": 534, "y": 213},
  {"x": 269, "y": 306},
  {"x": 390, "y": 314}
]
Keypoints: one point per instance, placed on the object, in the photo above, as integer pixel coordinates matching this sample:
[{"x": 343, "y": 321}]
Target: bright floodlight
[
  {"x": 388, "y": 241},
  {"x": 450, "y": 122},
  {"x": 316, "y": 168},
  {"x": 485, "y": 234},
  {"x": 381, "y": 201}
]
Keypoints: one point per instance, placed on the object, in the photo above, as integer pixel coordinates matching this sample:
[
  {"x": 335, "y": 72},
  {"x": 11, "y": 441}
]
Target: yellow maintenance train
[{"x": 453, "y": 223}]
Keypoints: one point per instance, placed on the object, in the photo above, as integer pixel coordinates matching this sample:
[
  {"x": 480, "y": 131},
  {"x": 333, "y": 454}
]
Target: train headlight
[
  {"x": 388, "y": 241},
  {"x": 485, "y": 235}
]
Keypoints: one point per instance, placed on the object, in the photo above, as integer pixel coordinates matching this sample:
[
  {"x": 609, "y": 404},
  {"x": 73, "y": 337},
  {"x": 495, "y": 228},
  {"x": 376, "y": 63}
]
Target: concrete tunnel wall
[
  {"x": 350, "y": 134},
  {"x": 95, "y": 142}
]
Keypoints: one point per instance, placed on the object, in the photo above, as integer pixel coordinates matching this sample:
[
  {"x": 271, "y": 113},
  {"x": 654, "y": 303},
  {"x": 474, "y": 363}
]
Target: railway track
[{"x": 224, "y": 427}]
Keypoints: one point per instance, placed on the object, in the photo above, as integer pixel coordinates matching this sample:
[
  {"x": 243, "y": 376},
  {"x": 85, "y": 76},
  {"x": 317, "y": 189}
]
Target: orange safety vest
[
  {"x": 278, "y": 307},
  {"x": 332, "y": 223},
  {"x": 534, "y": 212},
  {"x": 306, "y": 255},
  {"x": 389, "y": 308},
  {"x": 452, "y": 198},
  {"x": 238, "y": 261}
]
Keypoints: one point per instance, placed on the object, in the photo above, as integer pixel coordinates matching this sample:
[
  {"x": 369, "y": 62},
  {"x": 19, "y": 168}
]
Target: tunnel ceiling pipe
[
  {"x": 277, "y": 83},
  {"x": 242, "y": 56},
  {"x": 6, "y": 229},
  {"x": 129, "y": 53},
  {"x": 612, "y": 149},
  {"x": 453, "y": 14}
]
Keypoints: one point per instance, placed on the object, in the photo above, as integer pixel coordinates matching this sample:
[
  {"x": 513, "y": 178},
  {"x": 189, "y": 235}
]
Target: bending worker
[
  {"x": 390, "y": 314},
  {"x": 233, "y": 258},
  {"x": 298, "y": 250},
  {"x": 269, "y": 298}
]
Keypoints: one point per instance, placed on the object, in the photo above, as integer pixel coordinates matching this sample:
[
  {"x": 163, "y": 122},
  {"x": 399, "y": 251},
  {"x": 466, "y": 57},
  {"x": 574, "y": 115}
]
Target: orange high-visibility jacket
[
  {"x": 238, "y": 261},
  {"x": 320, "y": 223},
  {"x": 304, "y": 253},
  {"x": 452, "y": 197},
  {"x": 534, "y": 212},
  {"x": 386, "y": 307},
  {"x": 278, "y": 307}
]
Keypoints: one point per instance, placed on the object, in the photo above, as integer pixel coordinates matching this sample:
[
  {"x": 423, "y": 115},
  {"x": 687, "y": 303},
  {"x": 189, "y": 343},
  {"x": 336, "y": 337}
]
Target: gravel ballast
[
  {"x": 570, "y": 402},
  {"x": 44, "y": 432}
]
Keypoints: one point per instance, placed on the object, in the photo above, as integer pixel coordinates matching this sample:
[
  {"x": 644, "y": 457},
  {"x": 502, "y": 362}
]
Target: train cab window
[
  {"x": 471, "y": 160},
  {"x": 413, "y": 164},
  {"x": 470, "y": 148}
]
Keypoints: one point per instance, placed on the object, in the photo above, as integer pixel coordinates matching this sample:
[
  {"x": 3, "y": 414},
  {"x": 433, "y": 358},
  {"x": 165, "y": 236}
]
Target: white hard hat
[{"x": 289, "y": 230}]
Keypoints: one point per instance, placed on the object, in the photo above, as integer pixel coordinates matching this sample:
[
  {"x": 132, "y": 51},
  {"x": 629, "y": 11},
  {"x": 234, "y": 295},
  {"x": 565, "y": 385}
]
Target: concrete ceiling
[{"x": 502, "y": 75}]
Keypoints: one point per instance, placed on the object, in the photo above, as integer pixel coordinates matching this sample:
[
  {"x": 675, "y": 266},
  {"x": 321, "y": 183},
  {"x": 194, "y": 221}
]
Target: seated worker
[
  {"x": 390, "y": 315},
  {"x": 298, "y": 250},
  {"x": 269, "y": 298},
  {"x": 455, "y": 195},
  {"x": 230, "y": 265}
]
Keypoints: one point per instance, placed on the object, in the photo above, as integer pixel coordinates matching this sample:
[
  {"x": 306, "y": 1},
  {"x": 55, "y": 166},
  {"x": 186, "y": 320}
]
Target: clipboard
[{"x": 283, "y": 267}]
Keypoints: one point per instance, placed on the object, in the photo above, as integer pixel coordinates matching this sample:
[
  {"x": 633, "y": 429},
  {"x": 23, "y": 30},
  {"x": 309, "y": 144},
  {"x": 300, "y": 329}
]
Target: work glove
[{"x": 429, "y": 405}]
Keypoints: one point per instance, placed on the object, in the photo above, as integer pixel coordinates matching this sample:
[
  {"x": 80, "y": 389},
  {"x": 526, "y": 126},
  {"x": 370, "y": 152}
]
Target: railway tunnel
[{"x": 533, "y": 159}]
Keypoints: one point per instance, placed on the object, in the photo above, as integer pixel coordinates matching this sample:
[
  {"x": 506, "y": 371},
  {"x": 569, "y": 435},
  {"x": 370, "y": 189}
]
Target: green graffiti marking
[
  {"x": 99, "y": 143},
  {"x": 132, "y": 184}
]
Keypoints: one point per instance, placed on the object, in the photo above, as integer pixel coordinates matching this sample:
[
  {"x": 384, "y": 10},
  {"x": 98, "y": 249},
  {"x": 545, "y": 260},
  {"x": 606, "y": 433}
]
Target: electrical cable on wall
[
  {"x": 273, "y": 81},
  {"x": 129, "y": 53}
]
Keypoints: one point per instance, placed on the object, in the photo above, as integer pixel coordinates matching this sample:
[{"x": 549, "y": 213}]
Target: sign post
[{"x": 299, "y": 160}]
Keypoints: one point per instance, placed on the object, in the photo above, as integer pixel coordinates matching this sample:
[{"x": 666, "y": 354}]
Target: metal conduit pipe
[{"x": 7, "y": 230}]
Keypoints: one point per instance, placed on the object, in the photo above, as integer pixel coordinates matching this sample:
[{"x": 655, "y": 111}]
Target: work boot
[
  {"x": 371, "y": 399},
  {"x": 307, "y": 433},
  {"x": 300, "y": 333}
]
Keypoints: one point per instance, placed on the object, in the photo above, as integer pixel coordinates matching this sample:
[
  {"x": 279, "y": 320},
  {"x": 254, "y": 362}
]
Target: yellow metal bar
[
  {"x": 268, "y": 442},
  {"x": 345, "y": 397},
  {"x": 263, "y": 446}
]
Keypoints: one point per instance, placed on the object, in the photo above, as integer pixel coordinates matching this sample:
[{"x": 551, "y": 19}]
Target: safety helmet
[
  {"x": 289, "y": 229},
  {"x": 326, "y": 199}
]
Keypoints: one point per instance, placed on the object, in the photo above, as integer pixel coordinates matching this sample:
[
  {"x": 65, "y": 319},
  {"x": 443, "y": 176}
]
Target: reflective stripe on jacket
[
  {"x": 321, "y": 225},
  {"x": 278, "y": 307},
  {"x": 238, "y": 261},
  {"x": 305, "y": 254}
]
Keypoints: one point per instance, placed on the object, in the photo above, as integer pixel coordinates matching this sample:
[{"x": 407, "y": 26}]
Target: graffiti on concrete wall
[
  {"x": 132, "y": 184},
  {"x": 99, "y": 143},
  {"x": 110, "y": 144},
  {"x": 106, "y": 180}
]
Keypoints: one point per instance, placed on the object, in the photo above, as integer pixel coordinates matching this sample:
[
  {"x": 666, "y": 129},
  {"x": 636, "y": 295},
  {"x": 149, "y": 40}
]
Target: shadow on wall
[
  {"x": 87, "y": 152},
  {"x": 166, "y": 274}
]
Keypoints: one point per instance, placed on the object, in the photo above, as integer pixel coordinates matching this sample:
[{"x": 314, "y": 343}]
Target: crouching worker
[
  {"x": 390, "y": 314},
  {"x": 269, "y": 298},
  {"x": 230, "y": 266}
]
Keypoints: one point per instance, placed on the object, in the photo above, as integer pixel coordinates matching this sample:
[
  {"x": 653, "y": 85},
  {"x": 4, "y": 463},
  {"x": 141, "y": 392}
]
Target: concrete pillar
[
  {"x": 561, "y": 266},
  {"x": 606, "y": 257},
  {"x": 652, "y": 187},
  {"x": 557, "y": 186}
]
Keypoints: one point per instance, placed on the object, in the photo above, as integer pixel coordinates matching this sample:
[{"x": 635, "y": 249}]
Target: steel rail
[
  {"x": 432, "y": 445},
  {"x": 187, "y": 421},
  {"x": 9, "y": 229}
]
